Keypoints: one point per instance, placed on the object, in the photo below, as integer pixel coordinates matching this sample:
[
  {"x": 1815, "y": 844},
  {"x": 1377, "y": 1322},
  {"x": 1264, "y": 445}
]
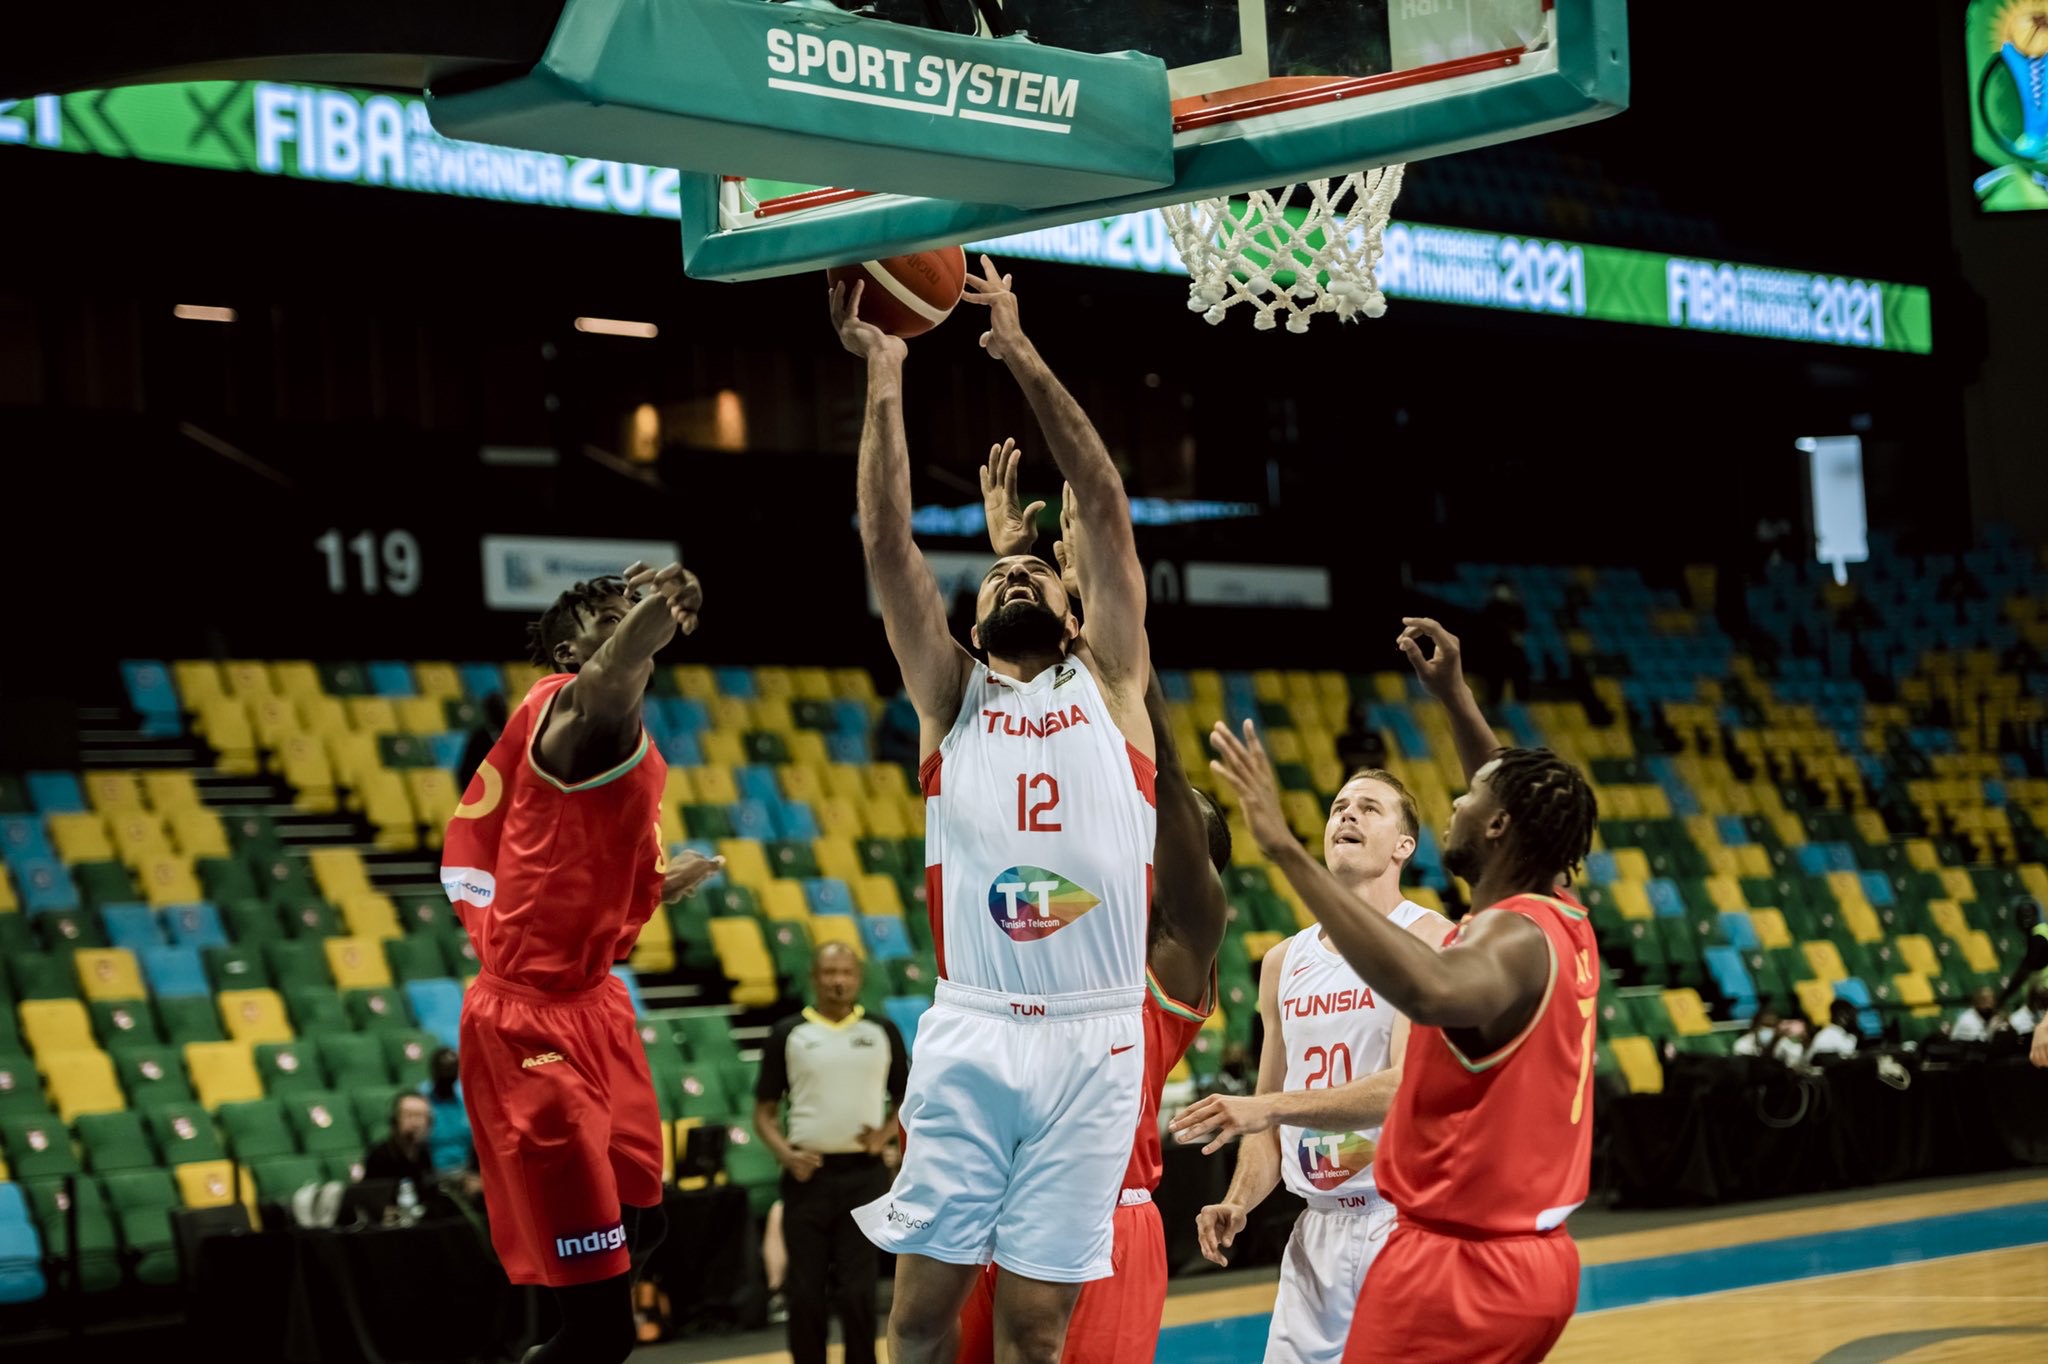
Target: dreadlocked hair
[
  {"x": 1552, "y": 811},
  {"x": 559, "y": 622}
]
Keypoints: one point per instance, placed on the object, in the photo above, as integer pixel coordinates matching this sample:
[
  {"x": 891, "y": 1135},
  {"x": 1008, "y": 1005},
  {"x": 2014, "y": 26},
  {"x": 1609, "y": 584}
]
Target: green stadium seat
[
  {"x": 42, "y": 975},
  {"x": 190, "y": 1020},
  {"x": 324, "y": 1123},
  {"x": 298, "y": 963},
  {"x": 251, "y": 922},
  {"x": 459, "y": 952},
  {"x": 316, "y": 1009},
  {"x": 37, "y": 1146},
  {"x": 706, "y": 821},
  {"x": 751, "y": 1165},
  {"x": 98, "y": 1248},
  {"x": 142, "y": 1201},
  {"x": 68, "y": 928},
  {"x": 372, "y": 1107},
  {"x": 115, "y": 1141},
  {"x": 183, "y": 1133},
  {"x": 308, "y": 918},
  {"x": 353, "y": 1060},
  {"x": 236, "y": 968},
  {"x": 119, "y": 1023},
  {"x": 21, "y": 1088},
  {"x": 377, "y": 1010},
  {"x": 104, "y": 883},
  {"x": 277, "y": 1178},
  {"x": 226, "y": 879},
  {"x": 289, "y": 1067},
  {"x": 343, "y": 1166},
  {"x": 791, "y": 858},
  {"x": 257, "y": 1128},
  {"x": 152, "y": 1076},
  {"x": 880, "y": 855},
  {"x": 417, "y": 957},
  {"x": 409, "y": 1054}
]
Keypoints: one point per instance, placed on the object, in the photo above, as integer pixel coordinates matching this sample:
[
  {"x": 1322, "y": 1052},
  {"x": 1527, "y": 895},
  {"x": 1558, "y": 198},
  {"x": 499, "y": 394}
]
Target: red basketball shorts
[
  {"x": 1115, "y": 1321},
  {"x": 1432, "y": 1297},
  {"x": 562, "y": 1109}
]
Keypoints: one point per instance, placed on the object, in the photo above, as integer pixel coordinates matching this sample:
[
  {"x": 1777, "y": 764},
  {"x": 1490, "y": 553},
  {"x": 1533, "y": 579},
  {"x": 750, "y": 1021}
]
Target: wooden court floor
[{"x": 1950, "y": 1275}]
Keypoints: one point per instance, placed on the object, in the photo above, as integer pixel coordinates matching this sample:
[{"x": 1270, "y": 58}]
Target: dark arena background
[{"x": 292, "y": 457}]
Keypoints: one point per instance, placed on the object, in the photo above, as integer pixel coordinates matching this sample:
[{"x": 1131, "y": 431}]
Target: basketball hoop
[{"x": 1315, "y": 257}]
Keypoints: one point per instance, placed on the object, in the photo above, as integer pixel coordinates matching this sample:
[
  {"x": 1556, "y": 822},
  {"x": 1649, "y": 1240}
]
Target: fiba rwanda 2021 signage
[{"x": 2005, "y": 43}]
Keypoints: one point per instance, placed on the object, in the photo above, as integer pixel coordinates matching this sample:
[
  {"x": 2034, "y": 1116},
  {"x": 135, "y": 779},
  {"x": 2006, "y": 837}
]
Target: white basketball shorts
[
  {"x": 1321, "y": 1277},
  {"x": 1017, "y": 1128}
]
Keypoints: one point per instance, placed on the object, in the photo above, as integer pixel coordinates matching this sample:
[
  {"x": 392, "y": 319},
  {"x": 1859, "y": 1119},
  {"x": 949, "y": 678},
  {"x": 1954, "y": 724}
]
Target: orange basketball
[{"x": 907, "y": 295}]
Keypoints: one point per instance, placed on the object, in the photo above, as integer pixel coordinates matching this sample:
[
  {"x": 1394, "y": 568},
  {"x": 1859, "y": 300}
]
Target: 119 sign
[{"x": 371, "y": 563}]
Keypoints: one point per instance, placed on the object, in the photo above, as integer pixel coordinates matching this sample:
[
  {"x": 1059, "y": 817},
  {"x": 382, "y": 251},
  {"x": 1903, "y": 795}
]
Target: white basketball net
[{"x": 1325, "y": 263}]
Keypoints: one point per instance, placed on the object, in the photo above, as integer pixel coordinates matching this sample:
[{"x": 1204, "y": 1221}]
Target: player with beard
[
  {"x": 1038, "y": 775},
  {"x": 1117, "y": 1319},
  {"x": 1487, "y": 1149}
]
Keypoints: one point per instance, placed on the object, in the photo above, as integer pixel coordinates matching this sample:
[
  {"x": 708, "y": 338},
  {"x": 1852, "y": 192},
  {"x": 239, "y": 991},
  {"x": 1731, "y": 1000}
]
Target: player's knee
[{"x": 1036, "y": 1338}]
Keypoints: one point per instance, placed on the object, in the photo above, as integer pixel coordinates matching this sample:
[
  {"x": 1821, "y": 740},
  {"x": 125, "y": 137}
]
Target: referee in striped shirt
[{"x": 843, "y": 1073}]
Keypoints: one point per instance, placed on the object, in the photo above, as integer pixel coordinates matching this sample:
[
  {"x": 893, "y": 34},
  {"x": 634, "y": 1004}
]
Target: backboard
[{"x": 1263, "y": 93}]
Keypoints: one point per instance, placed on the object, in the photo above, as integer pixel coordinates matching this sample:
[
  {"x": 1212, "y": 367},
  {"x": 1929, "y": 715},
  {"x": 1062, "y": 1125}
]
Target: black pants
[{"x": 831, "y": 1264}]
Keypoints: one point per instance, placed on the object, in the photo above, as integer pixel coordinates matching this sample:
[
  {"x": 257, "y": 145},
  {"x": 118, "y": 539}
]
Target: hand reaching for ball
[
  {"x": 864, "y": 339},
  {"x": 991, "y": 290}
]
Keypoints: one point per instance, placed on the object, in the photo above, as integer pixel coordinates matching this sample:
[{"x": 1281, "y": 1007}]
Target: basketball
[{"x": 908, "y": 295}]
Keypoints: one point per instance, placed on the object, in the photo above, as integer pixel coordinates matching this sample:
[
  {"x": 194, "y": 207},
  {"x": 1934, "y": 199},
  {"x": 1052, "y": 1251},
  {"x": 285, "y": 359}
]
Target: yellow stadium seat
[
  {"x": 1826, "y": 960},
  {"x": 1751, "y": 859},
  {"x": 1304, "y": 814},
  {"x": 1640, "y": 1068},
  {"x": 168, "y": 881},
  {"x": 839, "y": 928},
  {"x": 10, "y": 903},
  {"x": 138, "y": 836},
  {"x": 53, "y": 1025},
  {"x": 885, "y": 820},
  {"x": 1816, "y": 997},
  {"x": 434, "y": 799},
  {"x": 1918, "y": 954},
  {"x": 80, "y": 838},
  {"x": 885, "y": 780},
  {"x": 853, "y": 684},
  {"x": 836, "y": 857},
  {"x": 1862, "y": 921},
  {"x": 421, "y": 715},
  {"x": 302, "y": 762},
  {"x": 256, "y": 1015},
  {"x": 438, "y": 681},
  {"x": 109, "y": 792},
  {"x": 676, "y": 788},
  {"x": 1978, "y": 951},
  {"x": 1957, "y": 883},
  {"x": 1688, "y": 1012},
  {"x": 108, "y": 973},
  {"x": 810, "y": 684},
  {"x": 199, "y": 681},
  {"x": 1914, "y": 991},
  {"x": 730, "y": 713},
  {"x": 274, "y": 720},
  {"x": 1632, "y": 900},
  {"x": 81, "y": 1081},
  {"x": 171, "y": 791},
  {"x": 199, "y": 834},
  {"x": 389, "y": 809},
  {"x": 323, "y": 715},
  {"x": 1770, "y": 927},
  {"x": 672, "y": 830},
  {"x": 339, "y": 872},
  {"x": 714, "y": 784},
  {"x": 371, "y": 915},
  {"x": 783, "y": 902},
  {"x": 1949, "y": 918},
  {"x": 247, "y": 679},
  {"x": 206, "y": 1183},
  {"x": 745, "y": 862},
  {"x": 1726, "y": 893},
  {"x": 1256, "y": 945},
  {"x": 875, "y": 893},
  {"x": 2034, "y": 877},
  {"x": 296, "y": 678},
  {"x": 655, "y": 951},
  {"x": 722, "y": 747},
  {"x": 801, "y": 783},
  {"x": 695, "y": 681},
  {"x": 1632, "y": 864},
  {"x": 912, "y": 807},
  {"x": 1921, "y": 856},
  {"x": 519, "y": 680},
  {"x": 840, "y": 818},
  {"x": 357, "y": 962},
  {"x": 743, "y": 957},
  {"x": 354, "y": 757},
  {"x": 846, "y": 782},
  {"x": 771, "y": 713},
  {"x": 223, "y": 1072}
]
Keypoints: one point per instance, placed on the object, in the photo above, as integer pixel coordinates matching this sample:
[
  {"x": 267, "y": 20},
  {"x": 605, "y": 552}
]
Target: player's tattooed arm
[
  {"x": 1188, "y": 902},
  {"x": 935, "y": 667},
  {"x": 1442, "y": 670}
]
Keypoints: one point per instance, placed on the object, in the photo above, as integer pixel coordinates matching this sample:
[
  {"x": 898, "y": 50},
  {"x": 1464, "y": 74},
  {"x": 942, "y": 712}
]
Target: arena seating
[{"x": 1839, "y": 805}]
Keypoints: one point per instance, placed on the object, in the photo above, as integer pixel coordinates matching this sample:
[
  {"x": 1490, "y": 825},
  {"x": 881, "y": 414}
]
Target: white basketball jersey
[
  {"x": 1336, "y": 1030},
  {"x": 1039, "y": 823}
]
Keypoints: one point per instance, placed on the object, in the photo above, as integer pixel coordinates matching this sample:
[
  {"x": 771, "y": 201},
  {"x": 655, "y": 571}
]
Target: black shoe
[{"x": 778, "y": 1309}]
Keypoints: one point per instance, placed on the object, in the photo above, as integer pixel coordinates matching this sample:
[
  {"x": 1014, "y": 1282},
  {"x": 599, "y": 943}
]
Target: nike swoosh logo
[
  {"x": 1119, "y": 1051},
  {"x": 1299, "y": 969}
]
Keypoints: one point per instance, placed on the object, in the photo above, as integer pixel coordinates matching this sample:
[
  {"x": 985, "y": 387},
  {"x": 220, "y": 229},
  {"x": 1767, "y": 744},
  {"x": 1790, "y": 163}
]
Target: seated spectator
[
  {"x": 1768, "y": 1035},
  {"x": 1840, "y": 1037},
  {"x": 1981, "y": 1019},
  {"x": 448, "y": 1140},
  {"x": 404, "y": 1153},
  {"x": 2031, "y": 1014},
  {"x": 2033, "y": 967}
]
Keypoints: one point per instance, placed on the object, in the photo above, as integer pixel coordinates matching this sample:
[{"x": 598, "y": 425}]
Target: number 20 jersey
[{"x": 1039, "y": 825}]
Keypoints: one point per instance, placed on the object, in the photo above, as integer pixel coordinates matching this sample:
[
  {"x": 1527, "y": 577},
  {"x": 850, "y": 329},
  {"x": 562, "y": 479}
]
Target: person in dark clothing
[
  {"x": 843, "y": 1073},
  {"x": 2033, "y": 967},
  {"x": 481, "y": 739},
  {"x": 403, "y": 1154}
]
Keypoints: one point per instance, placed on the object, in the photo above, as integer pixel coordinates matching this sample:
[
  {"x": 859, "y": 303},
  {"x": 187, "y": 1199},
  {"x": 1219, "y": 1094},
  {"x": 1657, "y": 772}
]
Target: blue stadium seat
[
  {"x": 1814, "y": 859},
  {"x": 447, "y": 748},
  {"x": 56, "y": 793},
  {"x": 688, "y": 715},
  {"x": 1877, "y": 888},
  {"x": 392, "y": 679},
  {"x": 850, "y": 717},
  {"x": 793, "y": 820},
  {"x": 194, "y": 925},
  {"x": 750, "y": 819},
  {"x": 174, "y": 972},
  {"x": 437, "y": 1004},
  {"x": 1724, "y": 964},
  {"x": 480, "y": 680},
  {"x": 681, "y": 749},
  {"x": 1665, "y": 898},
  {"x": 21, "y": 1250},
  {"x": 132, "y": 926},
  {"x": 735, "y": 682},
  {"x": 1600, "y": 870},
  {"x": 625, "y": 973},
  {"x": 905, "y": 1011},
  {"x": 1856, "y": 992},
  {"x": 1740, "y": 930},
  {"x": 22, "y": 836},
  {"x": 756, "y": 781},
  {"x": 884, "y": 936},
  {"x": 828, "y": 895},
  {"x": 154, "y": 698},
  {"x": 849, "y": 748},
  {"x": 43, "y": 883}
]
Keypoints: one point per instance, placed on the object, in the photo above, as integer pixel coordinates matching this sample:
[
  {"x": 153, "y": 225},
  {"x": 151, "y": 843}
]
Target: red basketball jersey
[
  {"x": 554, "y": 879},
  {"x": 1501, "y": 1145},
  {"x": 1170, "y": 1028}
]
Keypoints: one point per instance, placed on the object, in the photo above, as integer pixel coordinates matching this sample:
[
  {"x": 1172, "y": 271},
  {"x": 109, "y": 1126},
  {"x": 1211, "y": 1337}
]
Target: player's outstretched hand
[
  {"x": 684, "y": 592},
  {"x": 2039, "y": 1055},
  {"x": 864, "y": 339},
  {"x": 1216, "y": 1226},
  {"x": 1244, "y": 764},
  {"x": 1443, "y": 670},
  {"x": 1221, "y": 1118},
  {"x": 991, "y": 289},
  {"x": 1012, "y": 526},
  {"x": 688, "y": 871},
  {"x": 1067, "y": 549}
]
